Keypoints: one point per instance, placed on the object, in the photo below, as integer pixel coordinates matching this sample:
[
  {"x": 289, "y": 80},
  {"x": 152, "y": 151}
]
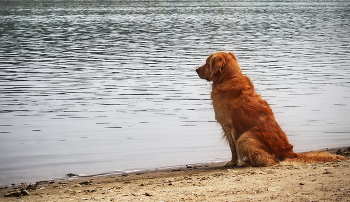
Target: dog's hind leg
[{"x": 251, "y": 152}]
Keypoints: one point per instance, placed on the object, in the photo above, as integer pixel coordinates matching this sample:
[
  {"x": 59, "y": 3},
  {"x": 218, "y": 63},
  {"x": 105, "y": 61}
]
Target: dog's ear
[
  {"x": 233, "y": 56},
  {"x": 217, "y": 62},
  {"x": 236, "y": 66}
]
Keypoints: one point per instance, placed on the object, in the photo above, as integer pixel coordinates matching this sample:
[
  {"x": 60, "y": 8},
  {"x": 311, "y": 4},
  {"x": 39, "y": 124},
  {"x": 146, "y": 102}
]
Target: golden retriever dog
[{"x": 248, "y": 123}]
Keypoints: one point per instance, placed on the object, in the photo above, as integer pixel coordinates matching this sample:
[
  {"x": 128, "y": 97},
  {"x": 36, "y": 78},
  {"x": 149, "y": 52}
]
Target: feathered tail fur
[{"x": 313, "y": 157}]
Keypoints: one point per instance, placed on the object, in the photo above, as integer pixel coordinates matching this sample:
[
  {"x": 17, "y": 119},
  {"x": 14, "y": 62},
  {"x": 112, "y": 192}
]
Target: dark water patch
[{"x": 113, "y": 127}]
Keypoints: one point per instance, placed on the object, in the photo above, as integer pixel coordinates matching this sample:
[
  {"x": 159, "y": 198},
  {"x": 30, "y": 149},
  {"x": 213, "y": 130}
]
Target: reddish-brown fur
[{"x": 248, "y": 123}]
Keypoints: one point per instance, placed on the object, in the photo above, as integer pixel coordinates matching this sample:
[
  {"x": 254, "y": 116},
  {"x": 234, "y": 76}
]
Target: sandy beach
[{"x": 207, "y": 182}]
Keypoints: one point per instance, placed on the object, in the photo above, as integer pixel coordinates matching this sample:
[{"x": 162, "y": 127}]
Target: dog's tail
[{"x": 314, "y": 157}]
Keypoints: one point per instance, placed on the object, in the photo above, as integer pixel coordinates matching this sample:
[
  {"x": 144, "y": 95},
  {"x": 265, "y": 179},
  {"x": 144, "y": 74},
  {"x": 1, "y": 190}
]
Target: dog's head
[{"x": 219, "y": 66}]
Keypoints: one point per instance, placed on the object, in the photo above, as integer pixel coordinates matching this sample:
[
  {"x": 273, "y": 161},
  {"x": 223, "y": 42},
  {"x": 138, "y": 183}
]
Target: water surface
[{"x": 90, "y": 88}]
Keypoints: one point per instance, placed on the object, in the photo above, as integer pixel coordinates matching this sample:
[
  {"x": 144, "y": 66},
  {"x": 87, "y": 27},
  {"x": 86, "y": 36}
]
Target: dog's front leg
[{"x": 231, "y": 141}]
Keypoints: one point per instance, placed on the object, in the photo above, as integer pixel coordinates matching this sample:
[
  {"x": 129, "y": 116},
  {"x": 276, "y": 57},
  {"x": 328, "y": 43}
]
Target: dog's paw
[
  {"x": 242, "y": 162},
  {"x": 230, "y": 163}
]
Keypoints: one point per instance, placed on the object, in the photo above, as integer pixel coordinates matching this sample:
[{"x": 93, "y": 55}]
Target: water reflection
[{"x": 91, "y": 87}]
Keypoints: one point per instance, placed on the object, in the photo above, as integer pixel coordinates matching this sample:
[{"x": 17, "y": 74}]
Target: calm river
[{"x": 90, "y": 87}]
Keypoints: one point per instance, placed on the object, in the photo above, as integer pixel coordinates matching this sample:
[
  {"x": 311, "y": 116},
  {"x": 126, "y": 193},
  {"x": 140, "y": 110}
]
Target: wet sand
[{"x": 207, "y": 182}]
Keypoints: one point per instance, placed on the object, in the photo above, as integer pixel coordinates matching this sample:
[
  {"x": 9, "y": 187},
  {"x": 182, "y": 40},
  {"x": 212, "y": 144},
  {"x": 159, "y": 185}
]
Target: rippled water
[{"x": 95, "y": 87}]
